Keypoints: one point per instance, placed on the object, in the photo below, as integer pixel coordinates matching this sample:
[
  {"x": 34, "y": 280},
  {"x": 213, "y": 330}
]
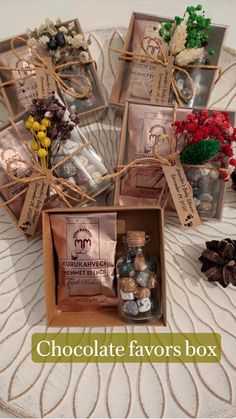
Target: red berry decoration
[{"x": 219, "y": 261}]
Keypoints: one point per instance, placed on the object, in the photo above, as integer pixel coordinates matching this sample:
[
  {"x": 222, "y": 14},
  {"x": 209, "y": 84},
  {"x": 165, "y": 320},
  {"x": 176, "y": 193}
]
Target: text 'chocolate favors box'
[
  {"x": 81, "y": 248},
  {"x": 198, "y": 134},
  {"x": 164, "y": 69},
  {"x": 68, "y": 53}
]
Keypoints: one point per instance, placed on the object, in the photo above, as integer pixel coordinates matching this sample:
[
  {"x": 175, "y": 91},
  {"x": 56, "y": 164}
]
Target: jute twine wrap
[{"x": 38, "y": 61}]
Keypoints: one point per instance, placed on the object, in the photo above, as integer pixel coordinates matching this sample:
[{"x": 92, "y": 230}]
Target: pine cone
[{"x": 219, "y": 261}]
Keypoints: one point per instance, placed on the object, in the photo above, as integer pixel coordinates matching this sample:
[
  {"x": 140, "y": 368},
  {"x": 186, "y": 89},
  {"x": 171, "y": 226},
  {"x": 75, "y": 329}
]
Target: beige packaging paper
[{"x": 181, "y": 193}]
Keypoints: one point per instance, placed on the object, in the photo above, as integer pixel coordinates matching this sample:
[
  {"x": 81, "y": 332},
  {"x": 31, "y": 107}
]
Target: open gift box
[
  {"x": 143, "y": 124},
  {"x": 15, "y": 141},
  {"x": 135, "y": 80},
  {"x": 128, "y": 218},
  {"x": 19, "y": 94}
]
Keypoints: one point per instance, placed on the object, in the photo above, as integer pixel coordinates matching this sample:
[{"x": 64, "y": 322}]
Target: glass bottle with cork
[{"x": 137, "y": 273}]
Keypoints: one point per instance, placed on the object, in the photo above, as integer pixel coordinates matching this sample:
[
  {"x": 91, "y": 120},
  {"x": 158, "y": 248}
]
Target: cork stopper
[{"x": 136, "y": 238}]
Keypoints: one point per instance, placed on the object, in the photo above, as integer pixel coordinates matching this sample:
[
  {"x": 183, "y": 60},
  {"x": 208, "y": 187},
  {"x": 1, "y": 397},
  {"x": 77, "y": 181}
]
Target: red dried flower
[
  {"x": 232, "y": 162},
  {"x": 227, "y": 150}
]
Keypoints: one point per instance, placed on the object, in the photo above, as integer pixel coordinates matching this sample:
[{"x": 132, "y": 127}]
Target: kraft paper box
[
  {"x": 18, "y": 96},
  {"x": 128, "y": 218},
  {"x": 15, "y": 145},
  {"x": 135, "y": 80},
  {"x": 142, "y": 124}
]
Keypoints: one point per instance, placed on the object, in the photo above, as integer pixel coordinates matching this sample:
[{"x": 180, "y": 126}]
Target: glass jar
[{"x": 137, "y": 281}]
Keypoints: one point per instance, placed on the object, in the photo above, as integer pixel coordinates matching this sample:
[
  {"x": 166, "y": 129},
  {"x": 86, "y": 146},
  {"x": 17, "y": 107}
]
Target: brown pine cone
[{"x": 219, "y": 261}]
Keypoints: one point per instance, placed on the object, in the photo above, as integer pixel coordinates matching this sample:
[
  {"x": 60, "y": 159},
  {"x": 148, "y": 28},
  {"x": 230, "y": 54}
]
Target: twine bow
[
  {"x": 41, "y": 62},
  {"x": 163, "y": 60},
  {"x": 46, "y": 174}
]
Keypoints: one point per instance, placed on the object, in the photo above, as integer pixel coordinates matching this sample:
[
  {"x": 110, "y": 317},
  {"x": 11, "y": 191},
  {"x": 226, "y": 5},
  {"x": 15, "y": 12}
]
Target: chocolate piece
[
  {"x": 142, "y": 278},
  {"x": 205, "y": 206},
  {"x": 131, "y": 308},
  {"x": 144, "y": 305},
  {"x": 193, "y": 174},
  {"x": 142, "y": 292},
  {"x": 128, "y": 284},
  {"x": 127, "y": 295}
]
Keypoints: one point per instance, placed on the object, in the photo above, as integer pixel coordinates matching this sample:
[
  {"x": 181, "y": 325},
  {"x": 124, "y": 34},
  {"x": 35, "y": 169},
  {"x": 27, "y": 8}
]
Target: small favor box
[
  {"x": 135, "y": 79},
  {"x": 143, "y": 124},
  {"x": 128, "y": 218},
  {"x": 19, "y": 94},
  {"x": 15, "y": 142}
]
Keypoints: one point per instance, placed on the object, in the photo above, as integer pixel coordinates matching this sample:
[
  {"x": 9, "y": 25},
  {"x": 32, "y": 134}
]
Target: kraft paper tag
[
  {"x": 33, "y": 205},
  {"x": 46, "y": 84},
  {"x": 162, "y": 83},
  {"x": 182, "y": 195}
]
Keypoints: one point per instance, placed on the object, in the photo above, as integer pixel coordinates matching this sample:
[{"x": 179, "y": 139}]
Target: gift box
[
  {"x": 128, "y": 218},
  {"x": 20, "y": 86},
  {"x": 141, "y": 78},
  {"x": 143, "y": 125},
  {"x": 26, "y": 187}
]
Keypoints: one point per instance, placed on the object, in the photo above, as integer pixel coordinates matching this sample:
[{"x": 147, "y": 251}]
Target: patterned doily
[{"x": 194, "y": 305}]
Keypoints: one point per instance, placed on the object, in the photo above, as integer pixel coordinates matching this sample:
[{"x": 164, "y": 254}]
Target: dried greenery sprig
[{"x": 187, "y": 36}]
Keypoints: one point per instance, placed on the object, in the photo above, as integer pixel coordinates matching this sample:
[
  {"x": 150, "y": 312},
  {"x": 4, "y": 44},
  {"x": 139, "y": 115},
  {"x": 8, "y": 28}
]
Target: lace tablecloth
[{"x": 194, "y": 305}]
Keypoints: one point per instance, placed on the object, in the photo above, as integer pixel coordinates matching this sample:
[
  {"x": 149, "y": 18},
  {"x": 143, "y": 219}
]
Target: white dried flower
[
  {"x": 63, "y": 29},
  {"x": 29, "y": 32},
  {"x": 71, "y": 25},
  {"x": 32, "y": 42},
  {"x": 84, "y": 57},
  {"x": 189, "y": 55},
  {"x": 57, "y": 55},
  {"x": 49, "y": 22},
  {"x": 178, "y": 39},
  {"x": 41, "y": 28},
  {"x": 43, "y": 40},
  {"x": 69, "y": 40}
]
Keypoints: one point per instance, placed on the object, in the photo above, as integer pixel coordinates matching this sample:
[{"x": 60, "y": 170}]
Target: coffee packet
[
  {"x": 21, "y": 92},
  {"x": 146, "y": 127},
  {"x": 85, "y": 246},
  {"x": 138, "y": 80}
]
